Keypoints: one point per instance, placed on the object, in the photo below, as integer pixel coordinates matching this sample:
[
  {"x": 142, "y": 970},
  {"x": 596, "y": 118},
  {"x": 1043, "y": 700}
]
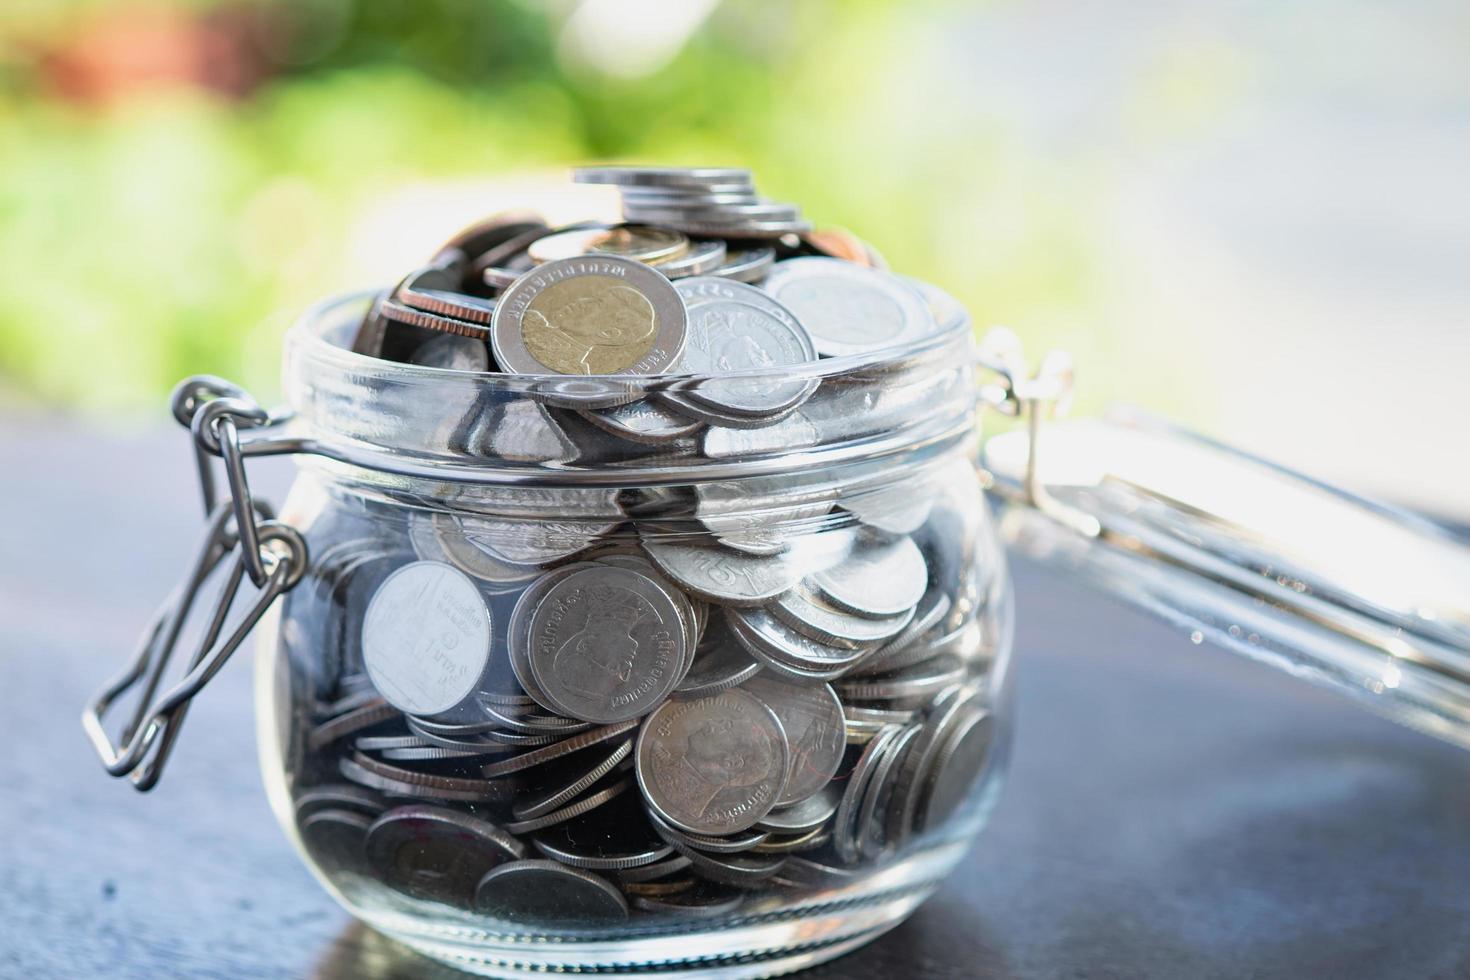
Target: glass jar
[
  {"x": 549, "y": 698},
  {"x": 554, "y": 687}
]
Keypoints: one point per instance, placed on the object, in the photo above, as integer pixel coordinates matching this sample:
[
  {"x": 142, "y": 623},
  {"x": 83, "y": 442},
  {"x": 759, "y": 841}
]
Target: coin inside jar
[
  {"x": 714, "y": 765},
  {"x": 606, "y": 644},
  {"x": 589, "y": 315},
  {"x": 426, "y": 637}
]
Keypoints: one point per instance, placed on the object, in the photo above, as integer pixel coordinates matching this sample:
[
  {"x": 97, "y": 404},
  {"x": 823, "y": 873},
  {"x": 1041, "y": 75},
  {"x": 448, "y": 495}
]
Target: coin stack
[{"x": 569, "y": 706}]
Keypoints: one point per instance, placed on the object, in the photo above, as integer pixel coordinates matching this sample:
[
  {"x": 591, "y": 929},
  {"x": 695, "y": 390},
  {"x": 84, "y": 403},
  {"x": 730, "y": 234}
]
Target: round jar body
[{"x": 695, "y": 720}]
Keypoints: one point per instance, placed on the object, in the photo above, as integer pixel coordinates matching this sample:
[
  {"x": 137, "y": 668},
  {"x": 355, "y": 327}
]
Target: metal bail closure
[
  {"x": 1356, "y": 596},
  {"x": 273, "y": 554}
]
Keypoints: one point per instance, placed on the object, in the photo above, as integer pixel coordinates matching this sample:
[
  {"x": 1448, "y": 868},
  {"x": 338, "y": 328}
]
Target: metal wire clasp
[
  {"x": 1034, "y": 397},
  {"x": 273, "y": 554}
]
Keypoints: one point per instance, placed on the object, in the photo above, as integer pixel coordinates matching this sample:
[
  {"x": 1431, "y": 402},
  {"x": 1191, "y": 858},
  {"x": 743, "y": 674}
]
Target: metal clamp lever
[
  {"x": 273, "y": 554},
  {"x": 1035, "y": 396}
]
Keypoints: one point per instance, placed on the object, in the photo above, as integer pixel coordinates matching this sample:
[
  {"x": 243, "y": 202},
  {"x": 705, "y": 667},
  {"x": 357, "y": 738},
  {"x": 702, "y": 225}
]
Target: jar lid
[{"x": 1353, "y": 595}]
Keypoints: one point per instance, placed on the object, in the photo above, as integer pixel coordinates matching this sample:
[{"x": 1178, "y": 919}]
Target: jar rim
[
  {"x": 433, "y": 424},
  {"x": 301, "y": 334}
]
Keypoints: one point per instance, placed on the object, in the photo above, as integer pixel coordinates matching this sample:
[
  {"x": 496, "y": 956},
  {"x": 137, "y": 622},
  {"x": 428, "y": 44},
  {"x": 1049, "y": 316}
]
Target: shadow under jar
[{"x": 547, "y": 698}]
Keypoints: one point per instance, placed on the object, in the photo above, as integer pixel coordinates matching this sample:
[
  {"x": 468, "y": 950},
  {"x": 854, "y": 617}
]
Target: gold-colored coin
[
  {"x": 589, "y": 325},
  {"x": 641, "y": 242}
]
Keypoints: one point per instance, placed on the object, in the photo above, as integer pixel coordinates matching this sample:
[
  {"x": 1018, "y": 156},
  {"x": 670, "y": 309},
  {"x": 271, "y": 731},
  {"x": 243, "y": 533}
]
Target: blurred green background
[{"x": 1251, "y": 218}]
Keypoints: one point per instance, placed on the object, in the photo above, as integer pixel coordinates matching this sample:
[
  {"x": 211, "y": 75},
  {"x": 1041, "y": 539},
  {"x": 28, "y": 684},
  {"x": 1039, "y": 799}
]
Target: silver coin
[
  {"x": 787, "y": 652},
  {"x": 879, "y": 578},
  {"x": 802, "y": 873},
  {"x": 759, "y": 514},
  {"x": 963, "y": 756},
  {"x": 573, "y": 810},
  {"x": 849, "y": 309},
  {"x": 871, "y": 831},
  {"x": 720, "y": 664},
  {"x": 337, "y": 796},
  {"x": 748, "y": 264},
  {"x": 434, "y": 853},
  {"x": 680, "y": 402},
  {"x": 684, "y": 197},
  {"x": 727, "y": 844},
  {"x": 443, "y": 534},
  {"x": 923, "y": 680},
  {"x": 899, "y": 509},
  {"x": 650, "y": 245},
  {"x": 730, "y": 869},
  {"x": 806, "y": 612},
  {"x": 808, "y": 815},
  {"x": 563, "y": 503},
  {"x": 518, "y": 634},
  {"x": 950, "y": 716},
  {"x": 426, "y": 637},
  {"x": 636, "y": 210},
  {"x": 738, "y": 327},
  {"x": 706, "y": 227},
  {"x": 844, "y": 828},
  {"x": 527, "y": 541},
  {"x": 589, "y": 315},
  {"x": 722, "y": 575},
  {"x": 335, "y": 837},
  {"x": 451, "y": 352},
  {"x": 811, "y": 716},
  {"x": 538, "y": 893},
  {"x": 645, "y": 421},
  {"x": 695, "y": 177},
  {"x": 688, "y": 608},
  {"x": 606, "y": 858},
  {"x": 566, "y": 746},
  {"x": 793, "y": 432},
  {"x": 712, "y": 766},
  {"x": 701, "y": 258},
  {"x": 607, "y": 644}
]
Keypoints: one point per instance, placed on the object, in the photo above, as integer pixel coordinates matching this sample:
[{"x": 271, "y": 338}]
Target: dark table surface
[{"x": 1171, "y": 811}]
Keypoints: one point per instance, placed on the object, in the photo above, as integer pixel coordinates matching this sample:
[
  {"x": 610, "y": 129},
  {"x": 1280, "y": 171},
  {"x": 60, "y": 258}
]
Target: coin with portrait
[
  {"x": 714, "y": 765},
  {"x": 589, "y": 315},
  {"x": 606, "y": 644}
]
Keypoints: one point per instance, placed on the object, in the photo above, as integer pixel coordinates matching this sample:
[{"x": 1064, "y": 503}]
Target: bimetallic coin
[
  {"x": 606, "y": 644},
  {"x": 811, "y": 716},
  {"x": 426, "y": 637},
  {"x": 438, "y": 854},
  {"x": 641, "y": 242},
  {"x": 878, "y": 579},
  {"x": 849, "y": 309},
  {"x": 712, "y": 766},
  {"x": 450, "y": 352},
  {"x": 737, "y": 327},
  {"x": 590, "y": 315}
]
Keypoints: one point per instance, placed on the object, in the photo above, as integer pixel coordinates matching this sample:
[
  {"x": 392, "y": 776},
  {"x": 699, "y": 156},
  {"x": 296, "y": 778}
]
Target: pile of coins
[
  {"x": 565, "y": 707},
  {"x": 714, "y": 288}
]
